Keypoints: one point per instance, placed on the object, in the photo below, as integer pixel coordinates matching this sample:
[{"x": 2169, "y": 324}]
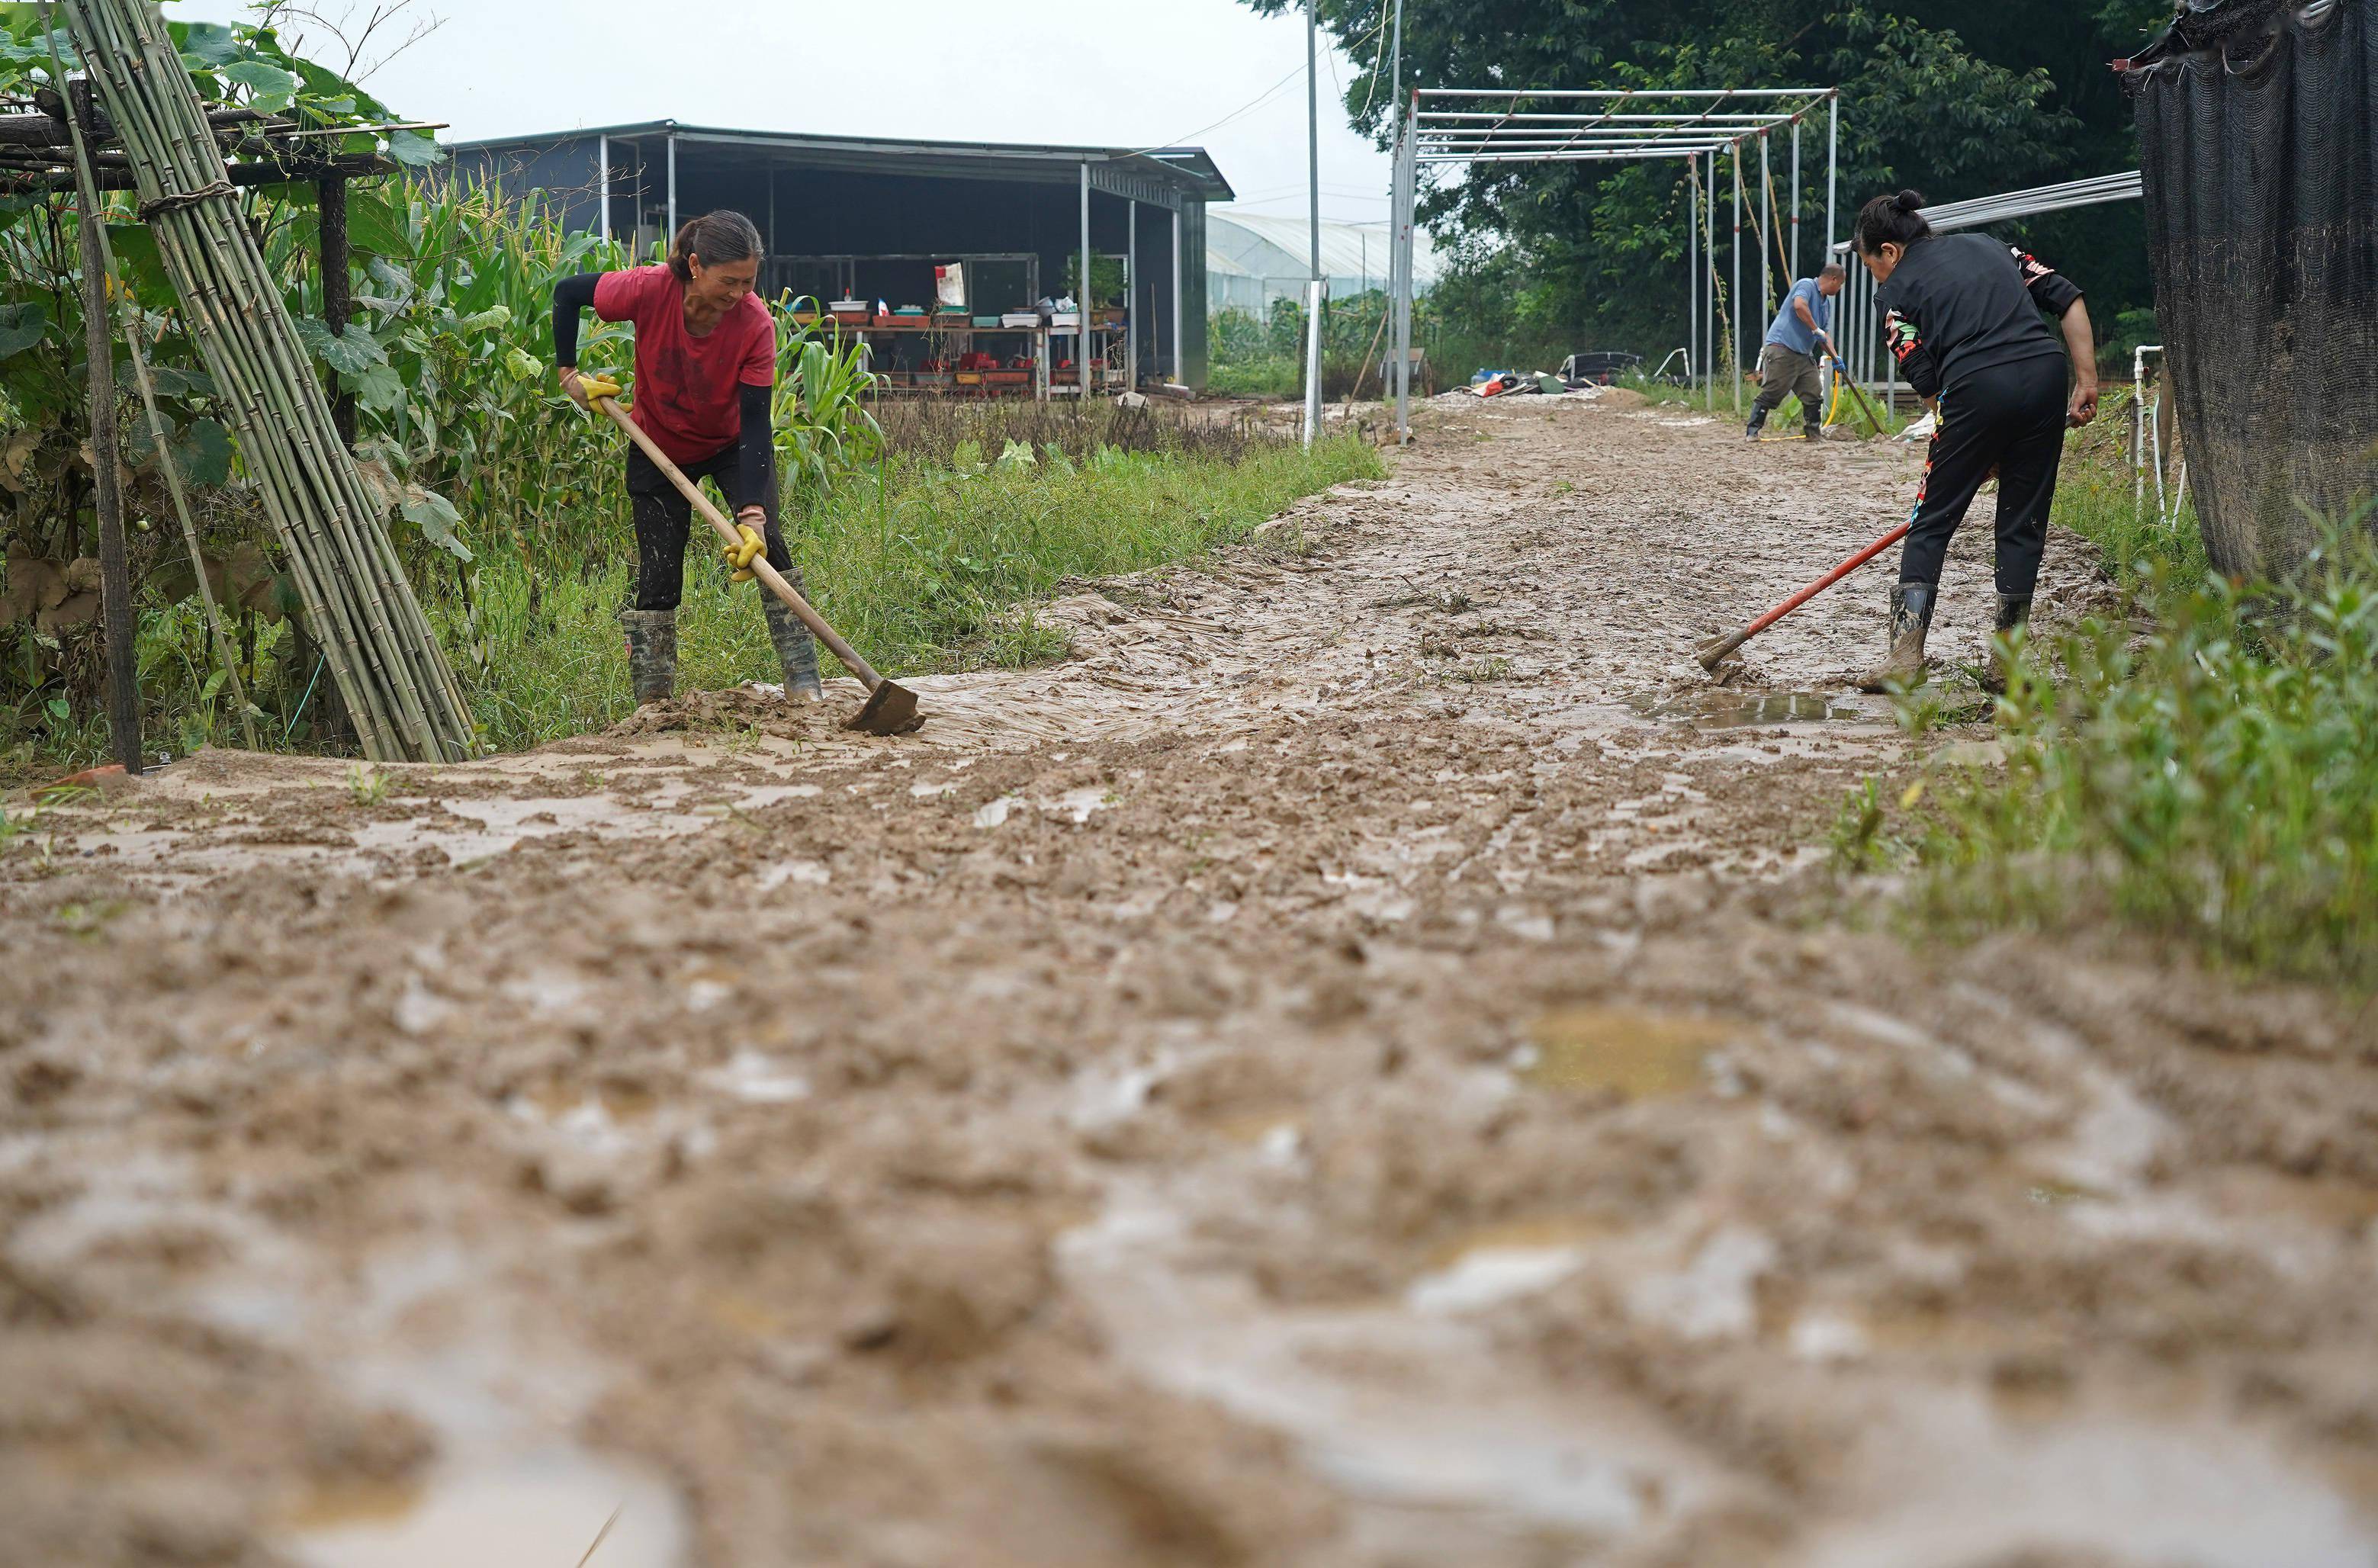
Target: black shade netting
[{"x": 2258, "y": 136}]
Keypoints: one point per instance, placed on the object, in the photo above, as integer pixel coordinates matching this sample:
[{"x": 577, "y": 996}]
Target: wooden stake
[
  {"x": 338, "y": 306},
  {"x": 116, "y": 621}
]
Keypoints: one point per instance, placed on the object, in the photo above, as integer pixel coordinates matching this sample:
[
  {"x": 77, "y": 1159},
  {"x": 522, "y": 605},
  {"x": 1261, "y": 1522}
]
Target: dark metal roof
[{"x": 1187, "y": 168}]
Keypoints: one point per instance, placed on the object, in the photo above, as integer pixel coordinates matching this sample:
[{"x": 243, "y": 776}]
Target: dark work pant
[
  {"x": 2010, "y": 418},
  {"x": 663, "y": 518},
  {"x": 1786, "y": 373}
]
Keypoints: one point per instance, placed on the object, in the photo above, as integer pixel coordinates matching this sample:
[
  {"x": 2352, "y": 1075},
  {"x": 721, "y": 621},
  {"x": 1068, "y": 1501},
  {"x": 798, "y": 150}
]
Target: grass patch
[
  {"x": 2209, "y": 778},
  {"x": 933, "y": 562},
  {"x": 935, "y": 568}
]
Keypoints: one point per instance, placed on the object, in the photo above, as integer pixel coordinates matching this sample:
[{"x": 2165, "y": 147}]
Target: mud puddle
[
  {"x": 548, "y": 1505},
  {"x": 1724, "y": 709}
]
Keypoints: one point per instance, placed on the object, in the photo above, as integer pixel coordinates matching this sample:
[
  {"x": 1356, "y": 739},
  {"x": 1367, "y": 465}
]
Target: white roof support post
[
  {"x": 1833, "y": 165},
  {"x": 1766, "y": 232},
  {"x": 1692, "y": 262},
  {"x": 1406, "y": 215},
  {"x": 1707, "y": 283},
  {"x": 603, "y": 188},
  {"x": 1734, "y": 349}
]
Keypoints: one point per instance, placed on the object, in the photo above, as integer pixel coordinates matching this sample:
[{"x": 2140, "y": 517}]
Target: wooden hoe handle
[{"x": 766, "y": 573}]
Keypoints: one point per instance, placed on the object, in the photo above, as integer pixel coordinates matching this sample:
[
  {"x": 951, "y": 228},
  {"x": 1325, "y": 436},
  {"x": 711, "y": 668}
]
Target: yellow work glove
[
  {"x": 741, "y": 556},
  {"x": 595, "y": 386}
]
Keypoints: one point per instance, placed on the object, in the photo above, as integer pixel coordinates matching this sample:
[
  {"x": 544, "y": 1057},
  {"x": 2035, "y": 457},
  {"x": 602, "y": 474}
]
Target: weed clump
[{"x": 2212, "y": 780}]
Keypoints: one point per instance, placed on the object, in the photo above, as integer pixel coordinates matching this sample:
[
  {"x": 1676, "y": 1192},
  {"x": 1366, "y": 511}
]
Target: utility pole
[
  {"x": 1401, "y": 247},
  {"x": 1314, "y": 289}
]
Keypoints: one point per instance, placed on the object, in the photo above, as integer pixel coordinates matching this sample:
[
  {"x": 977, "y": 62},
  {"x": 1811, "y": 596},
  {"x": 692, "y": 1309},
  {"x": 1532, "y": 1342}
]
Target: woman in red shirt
[{"x": 705, "y": 376}]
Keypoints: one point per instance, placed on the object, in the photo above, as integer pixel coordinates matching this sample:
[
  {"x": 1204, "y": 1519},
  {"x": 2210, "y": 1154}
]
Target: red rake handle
[{"x": 1715, "y": 651}]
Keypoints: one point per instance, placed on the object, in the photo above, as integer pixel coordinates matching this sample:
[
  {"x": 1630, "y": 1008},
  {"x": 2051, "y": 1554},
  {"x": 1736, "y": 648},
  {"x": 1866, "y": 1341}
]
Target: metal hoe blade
[{"x": 891, "y": 709}]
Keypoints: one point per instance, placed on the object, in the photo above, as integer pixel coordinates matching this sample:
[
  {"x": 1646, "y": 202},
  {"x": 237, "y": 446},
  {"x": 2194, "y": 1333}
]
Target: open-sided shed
[{"x": 870, "y": 217}]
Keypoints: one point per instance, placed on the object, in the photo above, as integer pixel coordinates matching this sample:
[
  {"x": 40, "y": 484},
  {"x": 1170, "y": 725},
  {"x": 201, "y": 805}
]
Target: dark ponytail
[
  {"x": 1891, "y": 220},
  {"x": 716, "y": 237}
]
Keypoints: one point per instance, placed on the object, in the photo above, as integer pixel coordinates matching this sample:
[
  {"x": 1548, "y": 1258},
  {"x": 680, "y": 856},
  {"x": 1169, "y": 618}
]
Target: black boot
[
  {"x": 2014, "y": 623},
  {"x": 1758, "y": 423},
  {"x": 652, "y": 654},
  {"x": 1911, "y": 620},
  {"x": 796, "y": 650}
]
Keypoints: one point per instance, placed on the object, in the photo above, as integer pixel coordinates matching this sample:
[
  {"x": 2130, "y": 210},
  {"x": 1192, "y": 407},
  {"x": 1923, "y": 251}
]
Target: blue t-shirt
[{"x": 1793, "y": 333}]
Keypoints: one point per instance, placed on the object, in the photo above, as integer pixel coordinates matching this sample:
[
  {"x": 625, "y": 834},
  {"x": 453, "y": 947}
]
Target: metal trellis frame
[
  {"x": 1472, "y": 126},
  {"x": 1871, "y": 365}
]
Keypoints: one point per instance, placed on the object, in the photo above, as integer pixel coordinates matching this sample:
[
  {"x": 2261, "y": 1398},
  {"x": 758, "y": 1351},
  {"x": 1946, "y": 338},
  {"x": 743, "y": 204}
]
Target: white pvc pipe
[{"x": 1734, "y": 355}]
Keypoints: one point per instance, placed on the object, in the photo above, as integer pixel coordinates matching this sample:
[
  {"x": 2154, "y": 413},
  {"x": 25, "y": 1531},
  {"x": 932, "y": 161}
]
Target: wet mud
[{"x": 1362, "y": 1065}]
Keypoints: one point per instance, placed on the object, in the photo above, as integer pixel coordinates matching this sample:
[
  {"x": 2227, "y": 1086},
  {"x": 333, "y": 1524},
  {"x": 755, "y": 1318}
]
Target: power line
[{"x": 1253, "y": 104}]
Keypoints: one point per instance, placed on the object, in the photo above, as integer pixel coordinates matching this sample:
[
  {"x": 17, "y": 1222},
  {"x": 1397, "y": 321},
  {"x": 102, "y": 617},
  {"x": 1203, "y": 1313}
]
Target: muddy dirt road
[{"x": 1344, "y": 1071}]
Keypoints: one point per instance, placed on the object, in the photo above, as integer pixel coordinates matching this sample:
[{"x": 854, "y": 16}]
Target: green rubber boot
[
  {"x": 1911, "y": 622},
  {"x": 652, "y": 654},
  {"x": 795, "y": 649},
  {"x": 2012, "y": 632}
]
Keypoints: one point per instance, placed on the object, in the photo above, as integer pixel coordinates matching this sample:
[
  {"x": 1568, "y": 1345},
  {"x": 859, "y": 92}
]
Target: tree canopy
[{"x": 1953, "y": 99}]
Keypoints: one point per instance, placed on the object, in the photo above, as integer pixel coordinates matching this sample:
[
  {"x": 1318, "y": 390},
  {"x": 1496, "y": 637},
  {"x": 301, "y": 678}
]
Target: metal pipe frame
[
  {"x": 1766, "y": 230},
  {"x": 1691, "y": 262},
  {"x": 1708, "y": 284},
  {"x": 1428, "y": 135},
  {"x": 1734, "y": 349},
  {"x": 1520, "y": 95},
  {"x": 1617, "y": 155}
]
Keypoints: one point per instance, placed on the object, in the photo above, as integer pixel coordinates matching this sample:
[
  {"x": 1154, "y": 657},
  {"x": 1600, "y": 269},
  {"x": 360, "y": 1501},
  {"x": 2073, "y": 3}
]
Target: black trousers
[
  {"x": 664, "y": 517},
  {"x": 2010, "y": 417}
]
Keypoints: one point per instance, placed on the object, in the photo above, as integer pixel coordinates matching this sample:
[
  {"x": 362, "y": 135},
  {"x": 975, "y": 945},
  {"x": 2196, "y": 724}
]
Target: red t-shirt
[{"x": 685, "y": 386}]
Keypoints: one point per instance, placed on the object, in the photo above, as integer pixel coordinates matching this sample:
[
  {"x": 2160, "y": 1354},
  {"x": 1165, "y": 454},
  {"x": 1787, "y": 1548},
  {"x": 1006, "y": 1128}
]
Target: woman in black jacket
[{"x": 1962, "y": 314}]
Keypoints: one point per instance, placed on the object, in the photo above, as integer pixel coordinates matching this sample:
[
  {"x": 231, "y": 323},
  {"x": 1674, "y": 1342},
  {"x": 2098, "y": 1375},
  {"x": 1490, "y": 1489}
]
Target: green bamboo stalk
[
  {"x": 397, "y": 681},
  {"x": 197, "y": 238}
]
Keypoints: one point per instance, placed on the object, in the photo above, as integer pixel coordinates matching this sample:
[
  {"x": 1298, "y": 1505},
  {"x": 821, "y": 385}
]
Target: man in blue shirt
[{"x": 1787, "y": 364}]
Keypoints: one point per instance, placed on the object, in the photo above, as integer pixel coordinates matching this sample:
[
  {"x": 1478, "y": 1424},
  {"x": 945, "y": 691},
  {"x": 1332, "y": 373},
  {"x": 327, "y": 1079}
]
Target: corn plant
[{"x": 824, "y": 426}]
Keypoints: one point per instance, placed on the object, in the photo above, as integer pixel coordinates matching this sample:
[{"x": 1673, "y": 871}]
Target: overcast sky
[{"x": 1113, "y": 72}]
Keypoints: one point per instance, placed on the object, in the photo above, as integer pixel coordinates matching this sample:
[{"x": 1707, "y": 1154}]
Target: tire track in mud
[{"x": 1353, "y": 1068}]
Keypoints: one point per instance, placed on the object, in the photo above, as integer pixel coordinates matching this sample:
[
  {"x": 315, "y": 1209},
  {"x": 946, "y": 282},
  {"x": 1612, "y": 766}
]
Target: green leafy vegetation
[
  {"x": 2207, "y": 775},
  {"x": 507, "y": 505},
  {"x": 932, "y": 565},
  {"x": 1263, "y": 357}
]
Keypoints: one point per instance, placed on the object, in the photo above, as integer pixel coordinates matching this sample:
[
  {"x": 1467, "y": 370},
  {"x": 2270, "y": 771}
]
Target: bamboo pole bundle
[{"x": 398, "y": 686}]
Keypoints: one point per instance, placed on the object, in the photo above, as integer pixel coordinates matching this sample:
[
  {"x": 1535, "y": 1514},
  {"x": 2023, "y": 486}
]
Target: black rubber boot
[
  {"x": 796, "y": 650},
  {"x": 1758, "y": 423},
  {"x": 1911, "y": 621},
  {"x": 652, "y": 654},
  {"x": 2011, "y": 632}
]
